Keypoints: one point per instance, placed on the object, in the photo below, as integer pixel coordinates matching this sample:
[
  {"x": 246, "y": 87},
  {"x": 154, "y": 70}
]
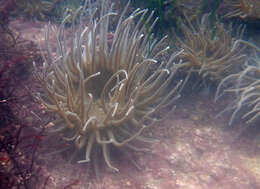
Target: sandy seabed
[{"x": 194, "y": 152}]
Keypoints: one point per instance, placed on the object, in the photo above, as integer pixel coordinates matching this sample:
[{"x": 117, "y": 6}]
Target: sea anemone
[
  {"x": 209, "y": 52},
  {"x": 244, "y": 9},
  {"x": 106, "y": 88},
  {"x": 245, "y": 85}
]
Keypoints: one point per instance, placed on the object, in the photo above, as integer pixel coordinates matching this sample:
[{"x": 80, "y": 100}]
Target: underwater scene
[{"x": 129, "y": 94}]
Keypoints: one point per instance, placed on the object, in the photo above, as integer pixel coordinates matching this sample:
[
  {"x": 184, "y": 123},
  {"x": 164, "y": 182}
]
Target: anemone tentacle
[{"x": 106, "y": 92}]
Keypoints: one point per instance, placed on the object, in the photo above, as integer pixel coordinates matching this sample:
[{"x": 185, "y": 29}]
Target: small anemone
[
  {"x": 244, "y": 9},
  {"x": 211, "y": 53},
  {"x": 245, "y": 85},
  {"x": 104, "y": 86}
]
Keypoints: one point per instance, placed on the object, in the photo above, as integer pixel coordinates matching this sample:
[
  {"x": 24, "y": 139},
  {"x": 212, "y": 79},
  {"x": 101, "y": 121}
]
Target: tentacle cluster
[
  {"x": 245, "y": 85},
  {"x": 103, "y": 89},
  {"x": 211, "y": 53},
  {"x": 245, "y": 9}
]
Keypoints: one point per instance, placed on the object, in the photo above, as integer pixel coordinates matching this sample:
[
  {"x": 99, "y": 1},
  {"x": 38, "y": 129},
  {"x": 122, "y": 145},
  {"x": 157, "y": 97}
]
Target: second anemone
[{"x": 210, "y": 52}]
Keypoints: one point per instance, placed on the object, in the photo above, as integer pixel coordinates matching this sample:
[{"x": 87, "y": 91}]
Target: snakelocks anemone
[
  {"x": 210, "y": 52},
  {"x": 245, "y": 87},
  {"x": 244, "y": 9},
  {"x": 106, "y": 87}
]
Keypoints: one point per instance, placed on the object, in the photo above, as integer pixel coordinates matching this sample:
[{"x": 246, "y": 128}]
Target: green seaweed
[
  {"x": 160, "y": 7},
  {"x": 212, "y": 13}
]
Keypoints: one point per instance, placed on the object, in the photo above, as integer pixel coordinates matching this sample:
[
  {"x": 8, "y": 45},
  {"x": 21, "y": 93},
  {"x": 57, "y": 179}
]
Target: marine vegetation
[
  {"x": 18, "y": 151},
  {"x": 209, "y": 53},
  {"x": 214, "y": 6},
  {"x": 18, "y": 156},
  {"x": 36, "y": 8},
  {"x": 107, "y": 88},
  {"x": 7, "y": 37},
  {"x": 170, "y": 13},
  {"x": 165, "y": 11},
  {"x": 63, "y": 6},
  {"x": 245, "y": 85},
  {"x": 244, "y": 9}
]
